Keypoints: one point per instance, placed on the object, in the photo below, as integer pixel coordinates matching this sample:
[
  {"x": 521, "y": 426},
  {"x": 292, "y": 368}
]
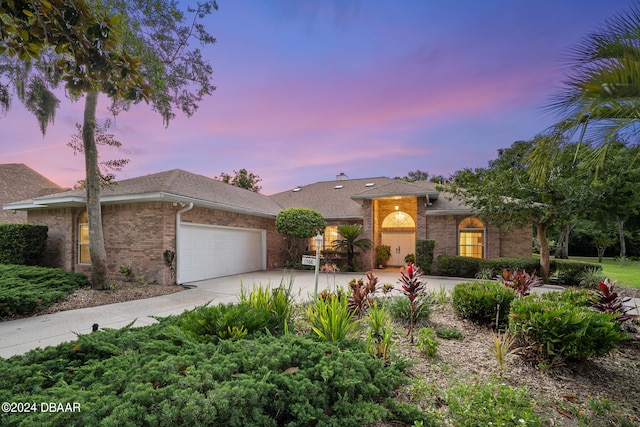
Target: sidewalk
[{"x": 21, "y": 335}]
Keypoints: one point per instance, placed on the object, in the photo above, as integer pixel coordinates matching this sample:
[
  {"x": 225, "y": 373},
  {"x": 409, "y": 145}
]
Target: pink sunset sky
[{"x": 308, "y": 89}]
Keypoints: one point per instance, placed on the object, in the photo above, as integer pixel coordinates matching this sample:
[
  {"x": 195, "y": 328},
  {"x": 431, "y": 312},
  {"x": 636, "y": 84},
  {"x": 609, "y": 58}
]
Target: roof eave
[
  {"x": 77, "y": 201},
  {"x": 441, "y": 212},
  {"x": 431, "y": 194},
  {"x": 219, "y": 206}
]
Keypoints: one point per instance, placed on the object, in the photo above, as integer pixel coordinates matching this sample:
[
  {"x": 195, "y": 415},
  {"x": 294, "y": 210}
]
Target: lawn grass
[{"x": 624, "y": 273}]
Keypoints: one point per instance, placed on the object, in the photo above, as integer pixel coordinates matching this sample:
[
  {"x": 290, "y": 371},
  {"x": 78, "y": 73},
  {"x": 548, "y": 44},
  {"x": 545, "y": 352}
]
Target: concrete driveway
[{"x": 21, "y": 335}]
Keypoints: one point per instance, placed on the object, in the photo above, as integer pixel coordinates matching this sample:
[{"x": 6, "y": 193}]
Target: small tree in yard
[
  {"x": 297, "y": 224},
  {"x": 351, "y": 241},
  {"x": 505, "y": 194}
]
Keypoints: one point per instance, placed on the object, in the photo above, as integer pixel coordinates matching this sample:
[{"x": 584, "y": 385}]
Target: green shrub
[
  {"x": 399, "y": 307},
  {"x": 135, "y": 376},
  {"x": 577, "y": 297},
  {"x": 26, "y": 290},
  {"x": 449, "y": 333},
  {"x": 427, "y": 342},
  {"x": 331, "y": 319},
  {"x": 478, "y": 302},
  {"x": 424, "y": 254},
  {"x": 490, "y": 403},
  {"x": 379, "y": 332},
  {"x": 458, "y": 266},
  {"x": 277, "y": 304},
  {"x": 556, "y": 326},
  {"x": 511, "y": 263},
  {"x": 22, "y": 244},
  {"x": 590, "y": 278},
  {"x": 569, "y": 273},
  {"x": 224, "y": 321}
]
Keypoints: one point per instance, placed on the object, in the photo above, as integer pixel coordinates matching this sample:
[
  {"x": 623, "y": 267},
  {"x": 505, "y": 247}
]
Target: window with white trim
[
  {"x": 471, "y": 232},
  {"x": 328, "y": 237},
  {"x": 83, "y": 239}
]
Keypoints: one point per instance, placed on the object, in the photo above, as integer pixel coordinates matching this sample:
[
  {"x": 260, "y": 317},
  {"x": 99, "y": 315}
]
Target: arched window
[
  {"x": 471, "y": 237},
  {"x": 83, "y": 239},
  {"x": 398, "y": 219}
]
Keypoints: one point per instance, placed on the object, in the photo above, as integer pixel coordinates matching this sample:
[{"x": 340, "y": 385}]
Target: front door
[{"x": 402, "y": 243}]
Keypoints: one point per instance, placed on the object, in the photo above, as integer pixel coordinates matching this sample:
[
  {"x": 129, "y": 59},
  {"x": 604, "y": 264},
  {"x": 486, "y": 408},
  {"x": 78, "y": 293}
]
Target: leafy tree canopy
[
  {"x": 416, "y": 175},
  {"x": 300, "y": 222},
  {"x": 72, "y": 40},
  {"x": 242, "y": 179},
  {"x": 504, "y": 194}
]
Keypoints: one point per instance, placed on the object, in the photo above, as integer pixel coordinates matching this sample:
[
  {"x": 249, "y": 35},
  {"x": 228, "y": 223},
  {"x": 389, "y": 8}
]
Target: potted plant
[
  {"x": 410, "y": 258},
  {"x": 383, "y": 254}
]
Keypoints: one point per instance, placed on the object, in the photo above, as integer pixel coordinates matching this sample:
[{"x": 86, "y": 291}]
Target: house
[
  {"x": 20, "y": 182},
  {"x": 177, "y": 226}
]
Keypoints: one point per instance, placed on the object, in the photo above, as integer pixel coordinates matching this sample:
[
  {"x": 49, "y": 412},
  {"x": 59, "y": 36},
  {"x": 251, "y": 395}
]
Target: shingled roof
[
  {"x": 337, "y": 199},
  {"x": 175, "y": 186},
  {"x": 341, "y": 199},
  {"x": 19, "y": 182}
]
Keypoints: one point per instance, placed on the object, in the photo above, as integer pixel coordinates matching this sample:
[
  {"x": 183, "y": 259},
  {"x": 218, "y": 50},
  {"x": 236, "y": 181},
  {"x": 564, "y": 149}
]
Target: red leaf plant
[
  {"x": 608, "y": 301},
  {"x": 362, "y": 293},
  {"x": 413, "y": 288},
  {"x": 520, "y": 281}
]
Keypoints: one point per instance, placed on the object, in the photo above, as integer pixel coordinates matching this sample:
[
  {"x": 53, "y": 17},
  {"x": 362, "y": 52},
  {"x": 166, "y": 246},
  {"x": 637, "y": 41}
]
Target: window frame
[
  {"x": 83, "y": 243},
  {"x": 471, "y": 247},
  {"x": 327, "y": 243}
]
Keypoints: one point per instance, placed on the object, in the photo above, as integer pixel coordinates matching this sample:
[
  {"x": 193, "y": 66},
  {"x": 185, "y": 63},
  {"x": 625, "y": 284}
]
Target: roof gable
[
  {"x": 19, "y": 182},
  {"x": 175, "y": 185},
  {"x": 333, "y": 199}
]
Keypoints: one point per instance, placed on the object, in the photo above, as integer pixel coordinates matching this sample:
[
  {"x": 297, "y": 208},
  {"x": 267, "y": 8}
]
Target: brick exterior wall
[
  {"x": 137, "y": 234},
  {"x": 498, "y": 243},
  {"x": 60, "y": 238}
]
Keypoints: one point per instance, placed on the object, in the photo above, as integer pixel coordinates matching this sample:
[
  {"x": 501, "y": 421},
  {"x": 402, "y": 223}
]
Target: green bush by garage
[{"x": 22, "y": 244}]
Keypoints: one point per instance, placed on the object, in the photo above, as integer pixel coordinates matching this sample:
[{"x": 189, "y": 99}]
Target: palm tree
[
  {"x": 601, "y": 96},
  {"x": 350, "y": 240}
]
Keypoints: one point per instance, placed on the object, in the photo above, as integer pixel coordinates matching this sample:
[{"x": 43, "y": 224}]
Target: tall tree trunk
[
  {"x": 623, "y": 243},
  {"x": 562, "y": 250},
  {"x": 97, "y": 250},
  {"x": 545, "y": 253}
]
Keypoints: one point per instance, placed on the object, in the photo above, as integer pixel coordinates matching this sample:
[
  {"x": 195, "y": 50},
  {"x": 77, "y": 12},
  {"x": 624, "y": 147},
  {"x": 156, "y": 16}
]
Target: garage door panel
[{"x": 206, "y": 252}]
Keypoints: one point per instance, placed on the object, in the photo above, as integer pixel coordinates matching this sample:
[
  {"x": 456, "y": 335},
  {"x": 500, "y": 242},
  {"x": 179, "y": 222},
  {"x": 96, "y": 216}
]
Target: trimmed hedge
[
  {"x": 458, "y": 266},
  {"x": 478, "y": 302},
  {"x": 424, "y": 254},
  {"x": 22, "y": 244},
  {"x": 565, "y": 272}
]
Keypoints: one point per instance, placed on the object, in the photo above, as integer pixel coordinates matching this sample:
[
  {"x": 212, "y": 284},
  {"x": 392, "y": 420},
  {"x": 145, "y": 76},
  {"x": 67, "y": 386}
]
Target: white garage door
[{"x": 206, "y": 252}]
